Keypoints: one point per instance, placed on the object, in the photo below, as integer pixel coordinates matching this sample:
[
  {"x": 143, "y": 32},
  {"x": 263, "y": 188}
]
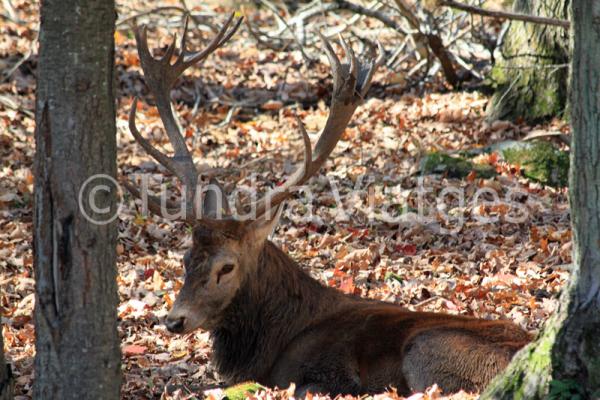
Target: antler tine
[
  {"x": 367, "y": 76},
  {"x": 306, "y": 141},
  {"x": 183, "y": 61},
  {"x": 141, "y": 39},
  {"x": 280, "y": 193},
  {"x": 223, "y": 36},
  {"x": 351, "y": 60},
  {"x": 350, "y": 82},
  {"x": 157, "y": 155},
  {"x": 166, "y": 58},
  {"x": 183, "y": 44},
  {"x": 160, "y": 77},
  {"x": 334, "y": 61}
]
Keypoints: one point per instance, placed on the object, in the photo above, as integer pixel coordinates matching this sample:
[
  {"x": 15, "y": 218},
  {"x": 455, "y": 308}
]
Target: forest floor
[{"x": 505, "y": 257}]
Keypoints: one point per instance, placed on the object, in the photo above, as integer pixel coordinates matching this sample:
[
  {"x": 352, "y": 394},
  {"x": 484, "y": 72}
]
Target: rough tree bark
[
  {"x": 6, "y": 378},
  {"x": 530, "y": 72},
  {"x": 77, "y": 344},
  {"x": 565, "y": 359}
]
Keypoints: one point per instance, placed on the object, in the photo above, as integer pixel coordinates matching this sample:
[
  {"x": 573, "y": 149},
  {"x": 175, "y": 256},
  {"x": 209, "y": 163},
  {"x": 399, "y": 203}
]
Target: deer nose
[{"x": 175, "y": 325}]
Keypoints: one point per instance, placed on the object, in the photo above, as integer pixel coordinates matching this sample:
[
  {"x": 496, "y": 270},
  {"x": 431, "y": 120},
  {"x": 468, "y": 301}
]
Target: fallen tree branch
[
  {"x": 504, "y": 14},
  {"x": 260, "y": 41},
  {"x": 434, "y": 42},
  {"x": 311, "y": 11},
  {"x": 431, "y": 41},
  {"x": 308, "y": 13},
  {"x": 437, "y": 47},
  {"x": 346, "y": 5},
  {"x": 406, "y": 12},
  {"x": 541, "y": 134}
]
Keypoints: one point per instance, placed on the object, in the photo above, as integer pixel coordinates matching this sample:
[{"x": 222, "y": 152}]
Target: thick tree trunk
[
  {"x": 530, "y": 71},
  {"x": 77, "y": 345},
  {"x": 565, "y": 360},
  {"x": 6, "y": 378}
]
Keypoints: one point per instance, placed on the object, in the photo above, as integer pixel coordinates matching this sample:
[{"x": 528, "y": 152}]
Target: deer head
[
  {"x": 224, "y": 254},
  {"x": 225, "y": 251}
]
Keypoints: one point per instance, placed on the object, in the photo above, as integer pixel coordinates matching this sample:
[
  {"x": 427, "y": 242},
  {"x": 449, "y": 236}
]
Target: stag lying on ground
[{"x": 269, "y": 320}]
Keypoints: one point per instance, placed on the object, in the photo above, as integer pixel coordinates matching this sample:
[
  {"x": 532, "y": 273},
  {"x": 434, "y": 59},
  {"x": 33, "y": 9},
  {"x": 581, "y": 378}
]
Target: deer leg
[
  {"x": 453, "y": 359},
  {"x": 334, "y": 372}
]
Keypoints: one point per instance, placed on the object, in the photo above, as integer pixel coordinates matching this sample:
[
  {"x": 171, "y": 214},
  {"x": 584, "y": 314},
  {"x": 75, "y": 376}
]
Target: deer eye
[{"x": 225, "y": 269}]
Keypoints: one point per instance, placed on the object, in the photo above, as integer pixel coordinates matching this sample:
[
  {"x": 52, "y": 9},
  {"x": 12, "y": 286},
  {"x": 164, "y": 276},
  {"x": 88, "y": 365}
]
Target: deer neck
[{"x": 276, "y": 303}]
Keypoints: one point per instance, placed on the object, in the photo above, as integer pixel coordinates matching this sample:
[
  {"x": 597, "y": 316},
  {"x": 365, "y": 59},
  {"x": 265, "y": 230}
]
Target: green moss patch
[
  {"x": 242, "y": 390},
  {"x": 454, "y": 166},
  {"x": 540, "y": 162}
]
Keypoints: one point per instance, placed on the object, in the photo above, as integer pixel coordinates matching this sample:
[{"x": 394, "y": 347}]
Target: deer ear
[{"x": 261, "y": 228}]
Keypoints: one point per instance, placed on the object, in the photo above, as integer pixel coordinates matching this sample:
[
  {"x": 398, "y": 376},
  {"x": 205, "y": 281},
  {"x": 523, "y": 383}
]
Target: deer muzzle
[{"x": 175, "y": 324}]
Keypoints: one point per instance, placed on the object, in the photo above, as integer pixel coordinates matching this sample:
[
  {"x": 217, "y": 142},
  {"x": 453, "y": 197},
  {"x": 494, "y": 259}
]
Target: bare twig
[
  {"x": 257, "y": 35},
  {"x": 309, "y": 12},
  {"x": 414, "y": 69},
  {"x": 317, "y": 8},
  {"x": 25, "y": 57},
  {"x": 195, "y": 18},
  {"x": 200, "y": 19},
  {"x": 9, "y": 103},
  {"x": 406, "y": 12},
  {"x": 10, "y": 14},
  {"x": 346, "y": 5},
  {"x": 427, "y": 301},
  {"x": 504, "y": 14},
  {"x": 467, "y": 67},
  {"x": 7, "y": 17},
  {"x": 275, "y": 11},
  {"x": 227, "y": 120},
  {"x": 346, "y": 23},
  {"x": 149, "y": 12}
]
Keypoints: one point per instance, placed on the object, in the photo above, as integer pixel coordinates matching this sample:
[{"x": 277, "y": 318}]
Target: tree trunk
[
  {"x": 77, "y": 344},
  {"x": 6, "y": 378},
  {"x": 531, "y": 71},
  {"x": 565, "y": 360}
]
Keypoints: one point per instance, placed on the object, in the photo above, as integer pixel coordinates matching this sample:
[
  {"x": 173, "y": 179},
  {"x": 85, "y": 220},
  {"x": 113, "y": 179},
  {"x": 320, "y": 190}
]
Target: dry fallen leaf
[{"x": 133, "y": 350}]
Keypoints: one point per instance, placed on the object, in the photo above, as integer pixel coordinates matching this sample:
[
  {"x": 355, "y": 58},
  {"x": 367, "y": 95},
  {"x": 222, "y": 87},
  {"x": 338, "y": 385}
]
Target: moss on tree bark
[
  {"x": 564, "y": 363},
  {"x": 530, "y": 73}
]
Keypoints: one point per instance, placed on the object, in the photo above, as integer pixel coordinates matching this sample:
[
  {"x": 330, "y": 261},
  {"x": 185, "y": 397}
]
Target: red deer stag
[{"x": 269, "y": 320}]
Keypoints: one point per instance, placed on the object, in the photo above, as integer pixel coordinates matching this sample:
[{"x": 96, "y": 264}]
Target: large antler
[
  {"x": 161, "y": 75},
  {"x": 351, "y": 81}
]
